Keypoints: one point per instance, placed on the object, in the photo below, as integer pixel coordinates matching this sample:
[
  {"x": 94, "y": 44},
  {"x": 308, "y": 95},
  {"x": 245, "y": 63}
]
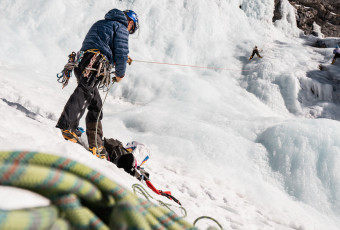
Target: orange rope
[{"x": 194, "y": 66}]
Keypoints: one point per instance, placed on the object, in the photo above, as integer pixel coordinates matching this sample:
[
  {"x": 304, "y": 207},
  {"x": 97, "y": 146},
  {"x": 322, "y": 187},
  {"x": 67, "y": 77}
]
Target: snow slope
[{"x": 238, "y": 145}]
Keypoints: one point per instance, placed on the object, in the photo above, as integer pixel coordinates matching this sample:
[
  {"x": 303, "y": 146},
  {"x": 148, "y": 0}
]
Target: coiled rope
[{"x": 81, "y": 198}]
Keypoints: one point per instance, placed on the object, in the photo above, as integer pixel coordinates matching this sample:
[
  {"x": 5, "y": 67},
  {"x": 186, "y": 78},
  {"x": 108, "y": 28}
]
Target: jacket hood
[{"x": 116, "y": 15}]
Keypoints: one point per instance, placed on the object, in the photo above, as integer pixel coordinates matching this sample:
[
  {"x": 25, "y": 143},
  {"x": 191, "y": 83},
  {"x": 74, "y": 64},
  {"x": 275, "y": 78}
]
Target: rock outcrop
[{"x": 325, "y": 13}]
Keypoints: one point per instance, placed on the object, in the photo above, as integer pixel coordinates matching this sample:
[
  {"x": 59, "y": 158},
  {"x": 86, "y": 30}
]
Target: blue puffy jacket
[{"x": 111, "y": 37}]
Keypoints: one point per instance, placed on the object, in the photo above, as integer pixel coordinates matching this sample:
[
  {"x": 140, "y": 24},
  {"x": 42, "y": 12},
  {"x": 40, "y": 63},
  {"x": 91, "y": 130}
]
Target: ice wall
[
  {"x": 261, "y": 10},
  {"x": 307, "y": 155},
  {"x": 288, "y": 21}
]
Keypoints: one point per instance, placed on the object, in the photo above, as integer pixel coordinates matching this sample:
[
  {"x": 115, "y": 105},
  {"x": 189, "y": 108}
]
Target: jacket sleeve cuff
[{"x": 120, "y": 74}]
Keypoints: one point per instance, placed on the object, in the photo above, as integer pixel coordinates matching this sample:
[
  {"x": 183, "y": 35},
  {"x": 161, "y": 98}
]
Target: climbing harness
[
  {"x": 73, "y": 61},
  {"x": 81, "y": 198},
  {"x": 103, "y": 70}
]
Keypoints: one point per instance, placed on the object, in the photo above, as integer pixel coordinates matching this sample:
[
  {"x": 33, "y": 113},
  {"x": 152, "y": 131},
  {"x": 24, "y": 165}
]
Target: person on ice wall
[
  {"x": 255, "y": 51},
  {"x": 336, "y": 53},
  {"x": 105, "y": 45}
]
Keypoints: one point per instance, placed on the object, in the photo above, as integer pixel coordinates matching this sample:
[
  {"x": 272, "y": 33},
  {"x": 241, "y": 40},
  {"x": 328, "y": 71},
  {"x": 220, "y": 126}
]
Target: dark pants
[
  {"x": 85, "y": 96},
  {"x": 255, "y": 51},
  {"x": 337, "y": 55}
]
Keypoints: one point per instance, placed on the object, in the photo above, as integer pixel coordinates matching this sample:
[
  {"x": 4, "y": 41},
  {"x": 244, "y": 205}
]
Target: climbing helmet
[{"x": 133, "y": 16}]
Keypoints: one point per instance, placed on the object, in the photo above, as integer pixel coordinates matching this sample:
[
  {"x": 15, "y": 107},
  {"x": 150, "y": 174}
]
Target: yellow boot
[
  {"x": 70, "y": 136},
  {"x": 100, "y": 153}
]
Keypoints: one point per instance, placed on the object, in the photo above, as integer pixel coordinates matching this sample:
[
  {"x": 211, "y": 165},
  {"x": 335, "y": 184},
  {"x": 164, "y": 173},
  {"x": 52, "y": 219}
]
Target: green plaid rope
[
  {"x": 35, "y": 218},
  {"x": 81, "y": 197}
]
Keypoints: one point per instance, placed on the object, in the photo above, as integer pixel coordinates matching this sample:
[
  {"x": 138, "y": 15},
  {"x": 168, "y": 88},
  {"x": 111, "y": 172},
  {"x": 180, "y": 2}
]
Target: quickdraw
[
  {"x": 140, "y": 189},
  {"x": 103, "y": 70},
  {"x": 88, "y": 69},
  {"x": 73, "y": 61}
]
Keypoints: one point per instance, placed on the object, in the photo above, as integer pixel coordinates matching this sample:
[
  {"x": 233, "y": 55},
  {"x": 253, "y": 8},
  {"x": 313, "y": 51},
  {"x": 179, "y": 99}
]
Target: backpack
[
  {"x": 118, "y": 155},
  {"x": 125, "y": 158},
  {"x": 114, "y": 149}
]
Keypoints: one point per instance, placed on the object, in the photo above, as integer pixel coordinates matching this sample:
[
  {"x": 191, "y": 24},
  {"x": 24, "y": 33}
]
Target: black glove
[{"x": 144, "y": 173}]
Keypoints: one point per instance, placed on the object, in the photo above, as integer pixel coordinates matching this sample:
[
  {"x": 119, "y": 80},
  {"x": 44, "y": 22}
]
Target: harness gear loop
[
  {"x": 103, "y": 70},
  {"x": 88, "y": 69}
]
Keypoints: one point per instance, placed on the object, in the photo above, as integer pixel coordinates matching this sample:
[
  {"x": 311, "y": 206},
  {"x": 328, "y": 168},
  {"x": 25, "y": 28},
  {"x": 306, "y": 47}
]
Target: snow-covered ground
[{"x": 241, "y": 145}]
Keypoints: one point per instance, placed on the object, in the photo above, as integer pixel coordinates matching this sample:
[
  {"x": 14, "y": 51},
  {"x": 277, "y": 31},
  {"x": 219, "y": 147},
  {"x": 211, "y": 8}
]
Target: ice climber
[
  {"x": 105, "y": 45},
  {"x": 255, "y": 51},
  {"x": 336, "y": 53}
]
